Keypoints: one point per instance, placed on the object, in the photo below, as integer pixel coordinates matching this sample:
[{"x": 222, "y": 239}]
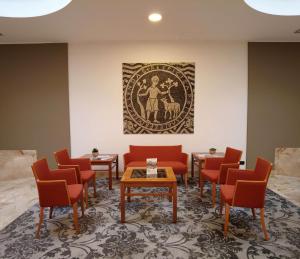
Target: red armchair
[
  {"x": 215, "y": 169},
  {"x": 167, "y": 156},
  {"x": 57, "y": 188},
  {"x": 84, "y": 172},
  {"x": 246, "y": 188}
]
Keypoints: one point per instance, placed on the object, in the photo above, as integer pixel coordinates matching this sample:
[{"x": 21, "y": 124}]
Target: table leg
[
  {"x": 117, "y": 167},
  {"x": 199, "y": 169},
  {"x": 174, "y": 202},
  {"x": 110, "y": 176},
  {"x": 170, "y": 194},
  {"x": 192, "y": 166},
  {"x": 122, "y": 202},
  {"x": 128, "y": 192}
]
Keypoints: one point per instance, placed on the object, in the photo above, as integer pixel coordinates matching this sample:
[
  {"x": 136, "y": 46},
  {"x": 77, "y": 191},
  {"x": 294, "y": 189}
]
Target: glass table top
[{"x": 142, "y": 173}]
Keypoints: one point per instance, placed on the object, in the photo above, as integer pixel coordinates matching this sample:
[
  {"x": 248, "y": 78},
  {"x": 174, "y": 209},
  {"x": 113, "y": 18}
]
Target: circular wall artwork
[{"x": 158, "y": 98}]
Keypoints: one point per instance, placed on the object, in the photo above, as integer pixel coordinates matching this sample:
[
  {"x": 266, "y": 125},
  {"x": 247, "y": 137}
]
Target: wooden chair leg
[
  {"x": 201, "y": 186},
  {"x": 199, "y": 180},
  {"x": 94, "y": 183},
  {"x": 262, "y": 221},
  {"x": 51, "y": 212},
  {"x": 186, "y": 180},
  {"x": 213, "y": 191},
  {"x": 253, "y": 213},
  {"x": 221, "y": 205},
  {"x": 86, "y": 195},
  {"x": 37, "y": 235},
  {"x": 227, "y": 213},
  {"x": 82, "y": 205},
  {"x": 75, "y": 217}
]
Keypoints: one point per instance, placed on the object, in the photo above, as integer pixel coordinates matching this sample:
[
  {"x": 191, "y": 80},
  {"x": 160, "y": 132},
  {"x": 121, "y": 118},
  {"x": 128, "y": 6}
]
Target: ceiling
[{"x": 109, "y": 20}]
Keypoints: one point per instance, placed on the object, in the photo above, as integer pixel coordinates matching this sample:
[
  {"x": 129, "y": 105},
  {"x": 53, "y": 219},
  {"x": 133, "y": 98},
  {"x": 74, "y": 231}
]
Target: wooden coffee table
[
  {"x": 135, "y": 177},
  {"x": 111, "y": 161}
]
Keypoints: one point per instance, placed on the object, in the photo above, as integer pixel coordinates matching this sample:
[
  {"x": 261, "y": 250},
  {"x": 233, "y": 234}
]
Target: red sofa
[{"x": 167, "y": 156}]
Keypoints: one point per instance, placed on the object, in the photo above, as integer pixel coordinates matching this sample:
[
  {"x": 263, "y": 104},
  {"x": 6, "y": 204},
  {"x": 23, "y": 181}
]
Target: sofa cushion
[
  {"x": 162, "y": 153},
  {"x": 178, "y": 167}
]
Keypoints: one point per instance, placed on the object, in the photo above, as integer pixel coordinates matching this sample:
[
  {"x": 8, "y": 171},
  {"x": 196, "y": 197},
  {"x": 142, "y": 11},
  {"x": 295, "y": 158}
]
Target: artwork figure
[
  {"x": 172, "y": 108},
  {"x": 152, "y": 102}
]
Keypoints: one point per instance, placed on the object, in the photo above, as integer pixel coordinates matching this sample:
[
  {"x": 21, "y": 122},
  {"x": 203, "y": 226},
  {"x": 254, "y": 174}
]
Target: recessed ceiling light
[
  {"x": 155, "y": 17},
  {"x": 276, "y": 7},
  {"x": 30, "y": 8}
]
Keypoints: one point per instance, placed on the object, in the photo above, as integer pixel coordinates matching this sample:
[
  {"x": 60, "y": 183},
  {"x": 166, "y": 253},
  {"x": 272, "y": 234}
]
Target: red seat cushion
[
  {"x": 87, "y": 175},
  {"x": 178, "y": 167},
  {"x": 75, "y": 192},
  {"x": 227, "y": 192},
  {"x": 137, "y": 164},
  {"x": 211, "y": 175}
]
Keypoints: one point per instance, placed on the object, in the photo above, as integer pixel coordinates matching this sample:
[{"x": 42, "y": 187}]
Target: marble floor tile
[
  {"x": 286, "y": 186},
  {"x": 16, "y": 197}
]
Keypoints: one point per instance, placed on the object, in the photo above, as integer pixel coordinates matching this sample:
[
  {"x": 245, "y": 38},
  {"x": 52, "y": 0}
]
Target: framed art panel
[{"x": 158, "y": 98}]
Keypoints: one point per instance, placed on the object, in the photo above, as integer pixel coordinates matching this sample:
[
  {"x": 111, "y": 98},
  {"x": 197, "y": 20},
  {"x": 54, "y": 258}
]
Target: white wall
[{"x": 95, "y": 81}]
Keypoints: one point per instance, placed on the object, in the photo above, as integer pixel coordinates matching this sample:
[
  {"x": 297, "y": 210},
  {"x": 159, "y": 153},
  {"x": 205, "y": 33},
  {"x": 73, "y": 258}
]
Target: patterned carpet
[{"x": 149, "y": 232}]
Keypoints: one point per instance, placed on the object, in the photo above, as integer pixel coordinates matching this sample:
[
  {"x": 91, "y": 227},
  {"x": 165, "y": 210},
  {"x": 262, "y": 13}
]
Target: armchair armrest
[
  {"x": 77, "y": 169},
  {"x": 127, "y": 158},
  {"x": 68, "y": 175},
  {"x": 239, "y": 174},
  {"x": 213, "y": 163},
  {"x": 84, "y": 163},
  {"x": 224, "y": 170},
  {"x": 53, "y": 193},
  {"x": 184, "y": 158},
  {"x": 249, "y": 194}
]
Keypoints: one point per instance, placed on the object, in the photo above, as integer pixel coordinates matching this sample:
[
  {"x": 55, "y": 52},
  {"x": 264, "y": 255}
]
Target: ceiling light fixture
[
  {"x": 154, "y": 17},
  {"x": 30, "y": 8},
  {"x": 276, "y": 7}
]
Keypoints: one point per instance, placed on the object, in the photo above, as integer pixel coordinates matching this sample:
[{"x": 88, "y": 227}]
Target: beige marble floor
[
  {"x": 17, "y": 184},
  {"x": 286, "y": 186},
  {"x": 16, "y": 196}
]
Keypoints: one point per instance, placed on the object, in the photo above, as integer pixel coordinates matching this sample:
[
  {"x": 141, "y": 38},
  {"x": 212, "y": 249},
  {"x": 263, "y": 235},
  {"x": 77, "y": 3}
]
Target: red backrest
[
  {"x": 262, "y": 169},
  {"x": 162, "y": 153},
  {"x": 232, "y": 155},
  {"x": 224, "y": 170},
  {"x": 51, "y": 192},
  {"x": 251, "y": 194},
  {"x": 41, "y": 170},
  {"x": 62, "y": 157}
]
